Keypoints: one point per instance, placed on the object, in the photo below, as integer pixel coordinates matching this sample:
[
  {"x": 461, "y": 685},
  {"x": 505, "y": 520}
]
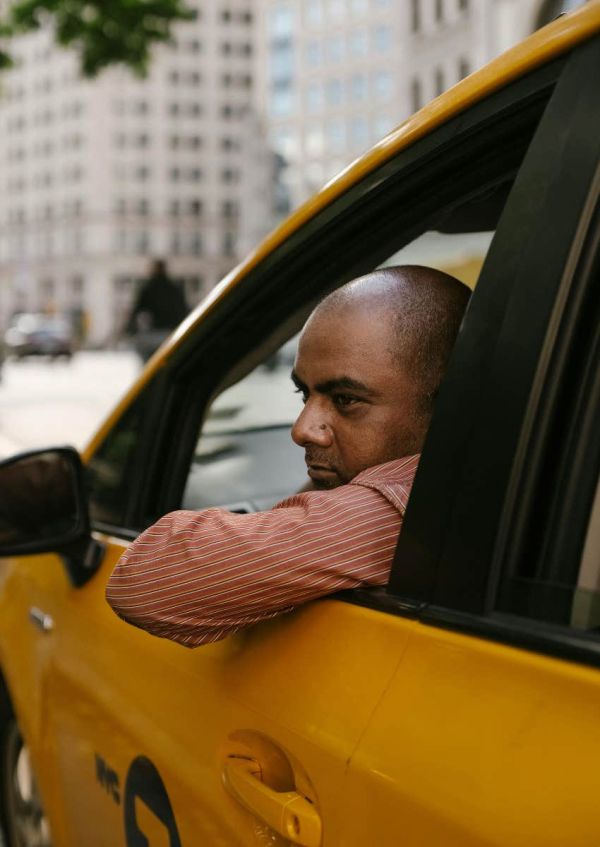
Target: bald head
[
  {"x": 419, "y": 311},
  {"x": 370, "y": 360}
]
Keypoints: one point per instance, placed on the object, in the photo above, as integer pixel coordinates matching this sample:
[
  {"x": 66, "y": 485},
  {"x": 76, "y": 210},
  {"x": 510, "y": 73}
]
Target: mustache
[{"x": 317, "y": 457}]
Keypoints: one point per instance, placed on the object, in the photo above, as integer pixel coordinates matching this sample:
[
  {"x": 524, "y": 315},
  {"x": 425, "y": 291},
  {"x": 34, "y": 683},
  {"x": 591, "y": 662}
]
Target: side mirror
[{"x": 44, "y": 509}]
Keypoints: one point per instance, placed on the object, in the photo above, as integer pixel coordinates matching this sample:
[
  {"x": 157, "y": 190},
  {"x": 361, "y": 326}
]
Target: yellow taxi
[{"x": 458, "y": 706}]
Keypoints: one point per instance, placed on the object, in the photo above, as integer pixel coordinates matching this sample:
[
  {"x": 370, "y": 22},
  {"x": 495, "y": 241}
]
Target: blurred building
[
  {"x": 97, "y": 177},
  {"x": 339, "y": 74}
]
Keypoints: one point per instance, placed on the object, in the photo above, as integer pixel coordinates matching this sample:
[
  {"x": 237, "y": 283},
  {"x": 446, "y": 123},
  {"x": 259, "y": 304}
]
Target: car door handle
[
  {"x": 287, "y": 812},
  {"x": 41, "y": 619}
]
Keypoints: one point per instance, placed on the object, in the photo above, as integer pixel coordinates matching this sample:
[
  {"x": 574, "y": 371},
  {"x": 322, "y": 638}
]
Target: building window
[
  {"x": 439, "y": 82},
  {"x": 464, "y": 67},
  {"x": 463, "y": 5},
  {"x": 143, "y": 244},
  {"x": 358, "y": 87},
  {"x": 312, "y": 53},
  {"x": 359, "y": 132},
  {"x": 281, "y": 102},
  {"x": 195, "y": 208},
  {"x": 439, "y": 11},
  {"x": 359, "y": 7},
  {"x": 281, "y": 21},
  {"x": 228, "y": 244},
  {"x": 336, "y": 135},
  {"x": 229, "y": 175},
  {"x": 334, "y": 48},
  {"x": 416, "y": 94},
  {"x": 175, "y": 243},
  {"x": 314, "y": 100},
  {"x": 313, "y": 13},
  {"x": 415, "y": 16},
  {"x": 196, "y": 244},
  {"x": 383, "y": 84},
  {"x": 229, "y": 209},
  {"x": 174, "y": 208},
  {"x": 333, "y": 91},
  {"x": 382, "y": 39},
  {"x": 359, "y": 43},
  {"x": 77, "y": 285}
]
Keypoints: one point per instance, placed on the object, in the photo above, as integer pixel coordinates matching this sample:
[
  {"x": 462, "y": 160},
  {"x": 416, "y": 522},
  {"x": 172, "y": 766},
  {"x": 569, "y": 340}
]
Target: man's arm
[{"x": 196, "y": 577}]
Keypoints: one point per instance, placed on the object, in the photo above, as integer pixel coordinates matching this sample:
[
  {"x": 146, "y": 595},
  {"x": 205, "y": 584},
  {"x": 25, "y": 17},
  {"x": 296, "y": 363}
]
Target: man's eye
[{"x": 344, "y": 400}]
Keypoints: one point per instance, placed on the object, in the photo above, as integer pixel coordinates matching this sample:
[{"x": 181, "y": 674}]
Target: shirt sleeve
[{"x": 196, "y": 577}]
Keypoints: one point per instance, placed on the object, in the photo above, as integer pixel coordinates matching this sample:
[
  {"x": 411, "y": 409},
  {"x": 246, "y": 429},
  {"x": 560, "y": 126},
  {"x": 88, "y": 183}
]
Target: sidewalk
[{"x": 45, "y": 404}]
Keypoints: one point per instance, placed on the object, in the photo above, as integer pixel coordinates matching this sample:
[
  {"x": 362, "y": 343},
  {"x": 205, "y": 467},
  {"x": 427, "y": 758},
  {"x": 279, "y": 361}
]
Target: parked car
[
  {"x": 459, "y": 705},
  {"x": 33, "y": 334}
]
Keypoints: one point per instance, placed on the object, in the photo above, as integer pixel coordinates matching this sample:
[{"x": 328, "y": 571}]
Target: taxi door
[
  {"x": 489, "y": 733},
  {"x": 144, "y": 733}
]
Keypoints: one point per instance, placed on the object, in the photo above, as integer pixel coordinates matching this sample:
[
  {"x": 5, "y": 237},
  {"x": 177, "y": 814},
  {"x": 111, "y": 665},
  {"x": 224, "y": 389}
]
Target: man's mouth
[{"x": 321, "y": 473}]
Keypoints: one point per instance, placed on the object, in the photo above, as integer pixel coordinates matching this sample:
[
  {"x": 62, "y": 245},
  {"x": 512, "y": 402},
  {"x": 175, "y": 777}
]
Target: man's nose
[{"x": 311, "y": 428}]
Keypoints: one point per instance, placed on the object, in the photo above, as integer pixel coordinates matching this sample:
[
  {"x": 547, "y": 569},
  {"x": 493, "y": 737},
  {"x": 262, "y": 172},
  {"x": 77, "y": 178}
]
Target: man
[
  {"x": 159, "y": 307},
  {"x": 370, "y": 360}
]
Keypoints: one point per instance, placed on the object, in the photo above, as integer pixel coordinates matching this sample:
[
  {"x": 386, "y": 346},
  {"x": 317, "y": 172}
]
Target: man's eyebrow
[
  {"x": 296, "y": 380},
  {"x": 340, "y": 383},
  {"x": 344, "y": 383}
]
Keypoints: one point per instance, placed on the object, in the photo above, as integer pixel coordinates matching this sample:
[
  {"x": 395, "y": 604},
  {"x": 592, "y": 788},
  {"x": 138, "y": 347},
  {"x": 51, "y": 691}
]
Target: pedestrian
[{"x": 159, "y": 307}]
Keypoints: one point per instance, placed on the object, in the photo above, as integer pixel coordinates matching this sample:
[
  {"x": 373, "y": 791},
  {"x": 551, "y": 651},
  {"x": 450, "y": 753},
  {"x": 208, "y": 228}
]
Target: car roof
[{"x": 541, "y": 47}]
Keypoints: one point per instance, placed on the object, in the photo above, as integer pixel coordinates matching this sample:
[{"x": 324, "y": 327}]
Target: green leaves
[{"x": 103, "y": 32}]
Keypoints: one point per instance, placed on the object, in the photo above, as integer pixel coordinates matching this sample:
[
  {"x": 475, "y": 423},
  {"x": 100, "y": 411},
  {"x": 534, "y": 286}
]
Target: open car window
[{"x": 244, "y": 459}]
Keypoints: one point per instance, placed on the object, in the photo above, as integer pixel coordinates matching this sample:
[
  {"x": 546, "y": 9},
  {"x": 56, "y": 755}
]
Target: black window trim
[{"x": 442, "y": 570}]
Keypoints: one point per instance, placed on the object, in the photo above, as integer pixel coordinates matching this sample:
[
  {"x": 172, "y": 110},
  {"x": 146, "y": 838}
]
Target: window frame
[{"x": 462, "y": 522}]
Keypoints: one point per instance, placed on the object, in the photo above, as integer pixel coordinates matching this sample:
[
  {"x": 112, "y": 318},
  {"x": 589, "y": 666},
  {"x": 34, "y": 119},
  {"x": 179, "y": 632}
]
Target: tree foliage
[{"x": 102, "y": 32}]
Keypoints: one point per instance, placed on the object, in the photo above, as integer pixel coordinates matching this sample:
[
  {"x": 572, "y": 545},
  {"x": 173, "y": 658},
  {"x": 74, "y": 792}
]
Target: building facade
[
  {"x": 253, "y": 107},
  {"x": 339, "y": 74},
  {"x": 99, "y": 176}
]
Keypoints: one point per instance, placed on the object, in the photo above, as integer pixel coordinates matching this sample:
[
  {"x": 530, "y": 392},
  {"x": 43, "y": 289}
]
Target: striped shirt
[{"x": 196, "y": 577}]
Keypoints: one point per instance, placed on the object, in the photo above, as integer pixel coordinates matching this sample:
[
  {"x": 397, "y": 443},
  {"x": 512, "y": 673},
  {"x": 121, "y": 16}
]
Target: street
[{"x": 50, "y": 403}]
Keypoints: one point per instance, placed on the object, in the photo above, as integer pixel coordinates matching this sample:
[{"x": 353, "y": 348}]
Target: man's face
[{"x": 360, "y": 407}]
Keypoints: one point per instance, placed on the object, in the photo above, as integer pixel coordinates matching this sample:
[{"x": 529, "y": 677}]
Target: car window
[
  {"x": 244, "y": 458},
  {"x": 110, "y": 472}
]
